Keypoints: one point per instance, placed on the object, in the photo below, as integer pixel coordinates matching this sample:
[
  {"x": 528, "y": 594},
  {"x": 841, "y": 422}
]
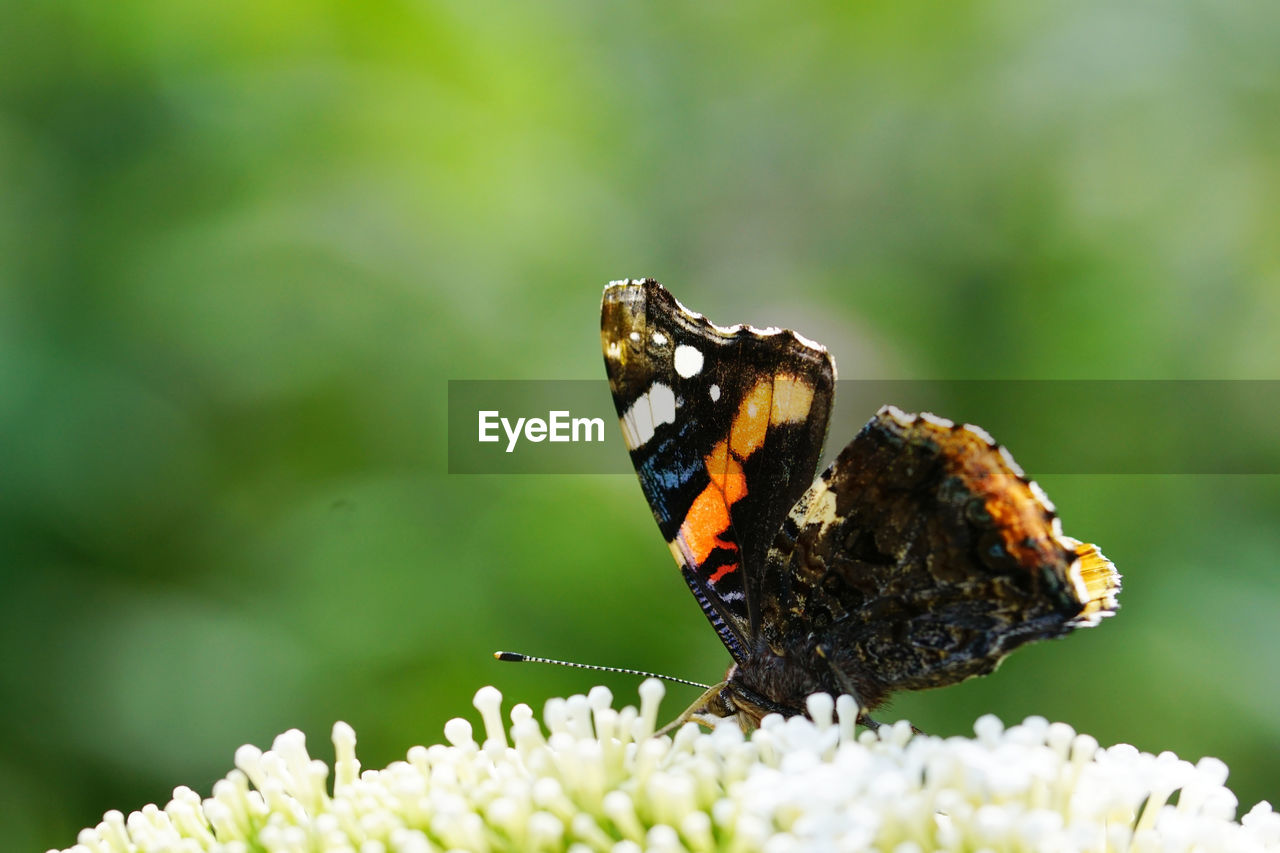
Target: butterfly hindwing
[
  {"x": 725, "y": 429},
  {"x": 922, "y": 556}
]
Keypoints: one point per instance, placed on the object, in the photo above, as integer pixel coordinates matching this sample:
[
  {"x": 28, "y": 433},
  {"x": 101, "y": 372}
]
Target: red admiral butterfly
[{"x": 921, "y": 557}]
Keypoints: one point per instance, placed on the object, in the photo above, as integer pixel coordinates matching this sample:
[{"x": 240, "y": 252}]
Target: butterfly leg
[{"x": 705, "y": 711}]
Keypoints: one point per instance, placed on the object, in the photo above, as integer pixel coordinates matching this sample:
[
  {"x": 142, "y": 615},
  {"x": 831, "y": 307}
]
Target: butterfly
[{"x": 920, "y": 557}]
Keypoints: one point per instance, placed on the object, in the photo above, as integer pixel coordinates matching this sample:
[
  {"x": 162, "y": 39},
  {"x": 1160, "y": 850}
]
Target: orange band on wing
[
  {"x": 708, "y": 516},
  {"x": 723, "y": 570},
  {"x": 752, "y": 420},
  {"x": 778, "y": 399}
]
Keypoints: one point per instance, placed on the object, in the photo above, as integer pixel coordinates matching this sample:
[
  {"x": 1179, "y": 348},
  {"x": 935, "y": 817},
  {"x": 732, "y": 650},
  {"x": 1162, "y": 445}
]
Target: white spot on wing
[
  {"x": 688, "y": 361},
  {"x": 659, "y": 339},
  {"x": 631, "y": 432},
  {"x": 663, "y": 401},
  {"x": 650, "y": 411},
  {"x": 635, "y": 336},
  {"x": 715, "y": 393}
]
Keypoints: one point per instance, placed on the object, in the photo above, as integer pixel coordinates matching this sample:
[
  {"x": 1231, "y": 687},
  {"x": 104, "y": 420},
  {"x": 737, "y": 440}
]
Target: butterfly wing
[
  {"x": 725, "y": 428},
  {"x": 923, "y": 556}
]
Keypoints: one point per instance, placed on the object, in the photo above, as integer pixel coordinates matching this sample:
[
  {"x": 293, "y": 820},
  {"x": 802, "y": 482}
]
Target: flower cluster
[{"x": 596, "y": 778}]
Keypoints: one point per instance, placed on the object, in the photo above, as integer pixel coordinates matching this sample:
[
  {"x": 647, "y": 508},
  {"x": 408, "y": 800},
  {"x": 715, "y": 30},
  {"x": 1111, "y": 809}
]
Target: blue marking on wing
[{"x": 664, "y": 473}]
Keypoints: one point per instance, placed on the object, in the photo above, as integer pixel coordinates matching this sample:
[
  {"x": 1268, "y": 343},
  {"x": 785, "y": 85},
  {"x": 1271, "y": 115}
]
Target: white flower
[{"x": 595, "y": 778}]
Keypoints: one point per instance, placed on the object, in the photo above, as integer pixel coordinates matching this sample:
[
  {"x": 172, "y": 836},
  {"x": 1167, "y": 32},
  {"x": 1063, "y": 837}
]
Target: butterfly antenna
[{"x": 516, "y": 657}]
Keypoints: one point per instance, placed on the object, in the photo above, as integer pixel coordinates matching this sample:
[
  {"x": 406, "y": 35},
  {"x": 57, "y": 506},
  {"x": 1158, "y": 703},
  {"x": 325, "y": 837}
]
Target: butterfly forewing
[{"x": 725, "y": 429}]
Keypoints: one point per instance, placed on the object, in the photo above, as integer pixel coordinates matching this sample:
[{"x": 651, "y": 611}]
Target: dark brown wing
[{"x": 923, "y": 556}]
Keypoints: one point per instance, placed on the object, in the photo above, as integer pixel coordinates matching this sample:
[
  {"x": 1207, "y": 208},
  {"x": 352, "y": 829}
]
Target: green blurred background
[{"x": 243, "y": 246}]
